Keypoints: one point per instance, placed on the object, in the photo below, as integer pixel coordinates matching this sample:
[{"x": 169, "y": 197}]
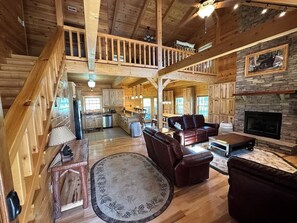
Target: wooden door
[{"x": 6, "y": 184}]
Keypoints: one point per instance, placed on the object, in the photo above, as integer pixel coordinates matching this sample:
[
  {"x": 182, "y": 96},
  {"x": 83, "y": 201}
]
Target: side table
[{"x": 80, "y": 164}]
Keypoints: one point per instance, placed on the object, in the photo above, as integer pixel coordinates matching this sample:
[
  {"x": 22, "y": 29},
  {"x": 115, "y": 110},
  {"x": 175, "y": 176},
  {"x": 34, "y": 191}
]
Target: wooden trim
[
  {"x": 262, "y": 32},
  {"x": 152, "y": 81},
  {"x": 59, "y": 12},
  {"x": 265, "y": 92}
]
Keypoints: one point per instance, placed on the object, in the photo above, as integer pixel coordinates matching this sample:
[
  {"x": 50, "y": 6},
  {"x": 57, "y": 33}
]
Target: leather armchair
[
  {"x": 260, "y": 193},
  {"x": 181, "y": 165},
  {"x": 194, "y": 129}
]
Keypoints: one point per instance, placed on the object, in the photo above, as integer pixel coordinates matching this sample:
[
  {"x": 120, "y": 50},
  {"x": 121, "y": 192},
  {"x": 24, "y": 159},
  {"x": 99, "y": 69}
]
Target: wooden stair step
[
  {"x": 9, "y": 91},
  {"x": 15, "y": 67},
  {"x": 19, "y": 61},
  {"x": 14, "y": 74},
  {"x": 23, "y": 57},
  {"x": 11, "y": 82}
]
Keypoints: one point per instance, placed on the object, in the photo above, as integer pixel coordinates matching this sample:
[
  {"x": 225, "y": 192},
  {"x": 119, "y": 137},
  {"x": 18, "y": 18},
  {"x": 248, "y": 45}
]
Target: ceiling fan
[{"x": 207, "y": 7}]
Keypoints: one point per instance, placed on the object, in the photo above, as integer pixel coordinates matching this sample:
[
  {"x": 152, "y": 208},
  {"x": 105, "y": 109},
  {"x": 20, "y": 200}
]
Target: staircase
[{"x": 13, "y": 74}]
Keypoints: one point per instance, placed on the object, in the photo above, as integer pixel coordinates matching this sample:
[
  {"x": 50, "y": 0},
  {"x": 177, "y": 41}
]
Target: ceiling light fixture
[
  {"x": 264, "y": 10},
  {"x": 132, "y": 97},
  {"x": 235, "y": 6},
  {"x": 283, "y": 12},
  {"x": 136, "y": 96},
  {"x": 140, "y": 96},
  {"x": 206, "y": 8},
  {"x": 148, "y": 37},
  {"x": 91, "y": 83}
]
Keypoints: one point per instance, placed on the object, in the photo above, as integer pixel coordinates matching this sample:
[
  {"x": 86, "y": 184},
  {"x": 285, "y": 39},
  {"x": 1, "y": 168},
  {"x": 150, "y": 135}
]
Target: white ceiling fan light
[
  {"x": 235, "y": 6},
  {"x": 91, "y": 83},
  {"x": 206, "y": 8}
]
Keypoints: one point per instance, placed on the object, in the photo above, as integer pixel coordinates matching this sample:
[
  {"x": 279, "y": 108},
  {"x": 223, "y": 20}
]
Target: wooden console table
[{"x": 79, "y": 164}]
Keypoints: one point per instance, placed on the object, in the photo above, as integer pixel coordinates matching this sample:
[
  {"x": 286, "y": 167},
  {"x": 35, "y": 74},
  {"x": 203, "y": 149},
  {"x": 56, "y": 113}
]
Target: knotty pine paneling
[
  {"x": 40, "y": 19},
  {"x": 13, "y": 35}
]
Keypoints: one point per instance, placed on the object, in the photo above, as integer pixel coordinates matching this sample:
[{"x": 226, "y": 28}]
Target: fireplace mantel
[{"x": 280, "y": 93}]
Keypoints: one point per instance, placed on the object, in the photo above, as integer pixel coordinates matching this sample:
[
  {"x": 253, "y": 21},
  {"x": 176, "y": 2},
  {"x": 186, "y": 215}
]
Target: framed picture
[{"x": 268, "y": 61}]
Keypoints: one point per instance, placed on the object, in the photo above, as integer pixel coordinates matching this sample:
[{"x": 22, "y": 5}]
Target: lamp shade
[
  {"x": 60, "y": 135},
  {"x": 91, "y": 83}
]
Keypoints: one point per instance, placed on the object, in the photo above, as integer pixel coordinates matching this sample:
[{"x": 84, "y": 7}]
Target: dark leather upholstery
[
  {"x": 181, "y": 165},
  {"x": 260, "y": 193},
  {"x": 194, "y": 129}
]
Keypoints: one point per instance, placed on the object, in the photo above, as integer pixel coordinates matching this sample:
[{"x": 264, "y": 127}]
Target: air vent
[{"x": 71, "y": 8}]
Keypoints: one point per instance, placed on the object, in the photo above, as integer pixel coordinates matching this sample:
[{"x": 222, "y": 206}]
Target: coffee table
[{"x": 230, "y": 142}]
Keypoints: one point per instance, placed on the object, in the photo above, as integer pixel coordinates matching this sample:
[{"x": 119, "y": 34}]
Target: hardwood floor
[{"x": 204, "y": 202}]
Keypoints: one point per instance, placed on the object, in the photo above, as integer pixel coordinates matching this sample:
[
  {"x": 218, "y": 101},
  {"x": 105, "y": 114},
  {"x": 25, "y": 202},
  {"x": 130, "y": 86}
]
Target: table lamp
[{"x": 60, "y": 135}]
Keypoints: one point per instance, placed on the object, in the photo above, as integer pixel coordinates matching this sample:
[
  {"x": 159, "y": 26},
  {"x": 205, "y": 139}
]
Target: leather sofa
[
  {"x": 181, "y": 165},
  {"x": 194, "y": 129},
  {"x": 260, "y": 193}
]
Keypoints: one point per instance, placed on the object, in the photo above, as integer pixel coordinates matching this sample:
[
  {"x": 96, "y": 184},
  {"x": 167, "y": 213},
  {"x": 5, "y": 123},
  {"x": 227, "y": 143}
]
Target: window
[
  {"x": 92, "y": 103},
  {"x": 155, "y": 107},
  {"x": 179, "y": 105},
  {"x": 202, "y": 105},
  {"x": 147, "y": 105}
]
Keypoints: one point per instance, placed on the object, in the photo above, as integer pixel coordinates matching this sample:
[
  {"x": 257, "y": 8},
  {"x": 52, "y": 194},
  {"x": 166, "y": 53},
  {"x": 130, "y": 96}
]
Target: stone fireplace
[{"x": 285, "y": 104}]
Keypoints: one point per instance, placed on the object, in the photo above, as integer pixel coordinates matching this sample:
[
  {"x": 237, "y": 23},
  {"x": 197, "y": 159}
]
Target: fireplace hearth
[{"x": 266, "y": 124}]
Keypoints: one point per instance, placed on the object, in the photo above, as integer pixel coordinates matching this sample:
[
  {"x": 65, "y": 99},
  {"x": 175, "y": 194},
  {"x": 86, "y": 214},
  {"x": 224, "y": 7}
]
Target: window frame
[
  {"x": 92, "y": 97},
  {"x": 177, "y": 104},
  {"x": 197, "y": 104}
]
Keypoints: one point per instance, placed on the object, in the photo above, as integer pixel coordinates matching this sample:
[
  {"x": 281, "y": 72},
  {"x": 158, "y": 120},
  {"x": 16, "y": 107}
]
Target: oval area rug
[{"x": 128, "y": 187}]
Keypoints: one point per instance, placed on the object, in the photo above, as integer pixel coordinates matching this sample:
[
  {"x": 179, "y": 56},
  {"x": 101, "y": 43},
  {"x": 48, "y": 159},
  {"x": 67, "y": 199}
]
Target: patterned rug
[
  {"x": 128, "y": 187},
  {"x": 258, "y": 155}
]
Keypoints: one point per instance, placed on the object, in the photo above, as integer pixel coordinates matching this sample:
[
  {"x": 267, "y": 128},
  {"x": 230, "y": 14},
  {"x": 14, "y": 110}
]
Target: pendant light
[
  {"x": 136, "y": 93},
  {"x": 140, "y": 91},
  {"x": 132, "y": 97}
]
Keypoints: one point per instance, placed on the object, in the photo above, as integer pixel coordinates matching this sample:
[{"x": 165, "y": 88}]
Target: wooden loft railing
[
  {"x": 27, "y": 122},
  {"x": 118, "y": 50}
]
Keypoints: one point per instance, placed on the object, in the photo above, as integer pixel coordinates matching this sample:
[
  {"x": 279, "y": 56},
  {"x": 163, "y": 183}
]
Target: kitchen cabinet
[
  {"x": 92, "y": 121},
  {"x": 113, "y": 97}
]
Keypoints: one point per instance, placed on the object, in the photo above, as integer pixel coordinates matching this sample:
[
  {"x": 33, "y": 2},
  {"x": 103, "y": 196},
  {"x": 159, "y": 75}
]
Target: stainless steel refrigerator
[{"x": 77, "y": 119}]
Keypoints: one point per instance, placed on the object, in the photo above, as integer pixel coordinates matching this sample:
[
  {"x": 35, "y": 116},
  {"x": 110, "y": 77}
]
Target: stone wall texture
[{"x": 269, "y": 82}]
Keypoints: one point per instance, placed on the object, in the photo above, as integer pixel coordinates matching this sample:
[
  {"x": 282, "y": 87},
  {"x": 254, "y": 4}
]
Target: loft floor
[{"x": 204, "y": 202}]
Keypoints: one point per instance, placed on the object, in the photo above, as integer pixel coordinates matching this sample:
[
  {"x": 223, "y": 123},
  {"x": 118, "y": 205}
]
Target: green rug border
[{"x": 106, "y": 218}]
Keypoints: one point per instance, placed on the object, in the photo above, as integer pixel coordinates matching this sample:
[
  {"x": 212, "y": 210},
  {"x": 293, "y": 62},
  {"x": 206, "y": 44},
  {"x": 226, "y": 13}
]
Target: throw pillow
[{"x": 177, "y": 126}]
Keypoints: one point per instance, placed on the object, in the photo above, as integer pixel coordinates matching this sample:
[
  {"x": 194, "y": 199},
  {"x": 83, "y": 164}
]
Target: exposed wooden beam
[
  {"x": 159, "y": 42},
  {"x": 59, "y": 12},
  {"x": 91, "y": 10},
  {"x": 115, "y": 14},
  {"x": 139, "y": 19},
  {"x": 80, "y": 67},
  {"x": 251, "y": 37},
  {"x": 190, "y": 77},
  {"x": 153, "y": 82},
  {"x": 117, "y": 81},
  {"x": 168, "y": 10},
  {"x": 166, "y": 83},
  {"x": 159, "y": 32},
  {"x": 279, "y": 2},
  {"x": 264, "y": 5},
  {"x": 140, "y": 81}
]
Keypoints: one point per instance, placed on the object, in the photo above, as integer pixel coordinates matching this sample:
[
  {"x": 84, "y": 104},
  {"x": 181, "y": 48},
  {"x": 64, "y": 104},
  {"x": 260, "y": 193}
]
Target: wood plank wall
[
  {"x": 40, "y": 19},
  {"x": 13, "y": 35}
]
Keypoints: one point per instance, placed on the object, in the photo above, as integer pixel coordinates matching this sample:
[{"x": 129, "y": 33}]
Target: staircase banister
[{"x": 19, "y": 113}]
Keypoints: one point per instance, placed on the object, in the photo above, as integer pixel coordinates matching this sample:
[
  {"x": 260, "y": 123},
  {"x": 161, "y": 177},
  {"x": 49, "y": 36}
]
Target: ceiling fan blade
[
  {"x": 225, "y": 4},
  {"x": 193, "y": 3}
]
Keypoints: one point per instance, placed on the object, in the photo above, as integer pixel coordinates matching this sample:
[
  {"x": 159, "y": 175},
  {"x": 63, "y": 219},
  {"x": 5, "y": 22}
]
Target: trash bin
[
  {"x": 225, "y": 128},
  {"x": 136, "y": 130}
]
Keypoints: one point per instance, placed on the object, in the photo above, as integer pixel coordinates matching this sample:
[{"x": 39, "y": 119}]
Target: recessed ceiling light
[{"x": 282, "y": 13}]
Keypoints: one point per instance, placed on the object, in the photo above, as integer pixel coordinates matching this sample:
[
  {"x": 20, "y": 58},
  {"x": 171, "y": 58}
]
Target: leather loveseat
[
  {"x": 181, "y": 165},
  {"x": 260, "y": 193},
  {"x": 193, "y": 129}
]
